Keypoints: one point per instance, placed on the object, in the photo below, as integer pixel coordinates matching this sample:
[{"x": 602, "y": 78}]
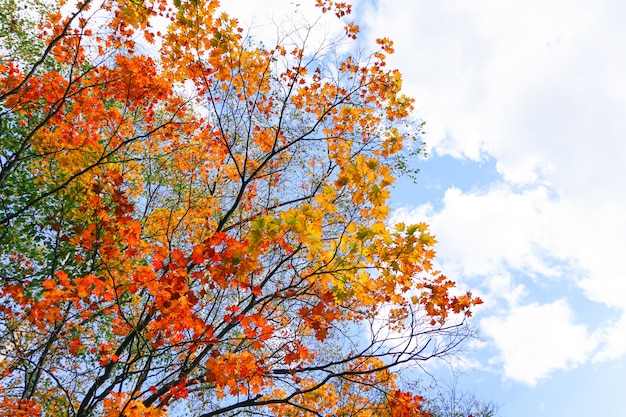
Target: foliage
[
  {"x": 190, "y": 220},
  {"x": 18, "y": 30}
]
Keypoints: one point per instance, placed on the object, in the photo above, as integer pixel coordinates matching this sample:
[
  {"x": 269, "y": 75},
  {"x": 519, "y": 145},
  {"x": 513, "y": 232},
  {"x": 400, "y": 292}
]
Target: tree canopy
[{"x": 192, "y": 222}]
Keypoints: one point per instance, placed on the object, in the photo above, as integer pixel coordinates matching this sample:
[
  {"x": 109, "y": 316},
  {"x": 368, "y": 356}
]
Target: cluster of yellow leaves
[{"x": 118, "y": 405}]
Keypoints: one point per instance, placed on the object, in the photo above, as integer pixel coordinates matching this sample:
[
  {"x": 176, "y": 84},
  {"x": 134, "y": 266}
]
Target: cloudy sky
[{"x": 525, "y": 187}]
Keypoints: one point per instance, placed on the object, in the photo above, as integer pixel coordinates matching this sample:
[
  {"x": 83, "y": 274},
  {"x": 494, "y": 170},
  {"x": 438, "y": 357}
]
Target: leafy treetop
[{"x": 190, "y": 220}]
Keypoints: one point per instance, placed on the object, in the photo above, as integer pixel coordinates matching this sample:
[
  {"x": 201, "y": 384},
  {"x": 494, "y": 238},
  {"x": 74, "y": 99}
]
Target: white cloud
[
  {"x": 535, "y": 340},
  {"x": 538, "y": 86},
  {"x": 502, "y": 239},
  {"x": 486, "y": 232},
  {"x": 614, "y": 342}
]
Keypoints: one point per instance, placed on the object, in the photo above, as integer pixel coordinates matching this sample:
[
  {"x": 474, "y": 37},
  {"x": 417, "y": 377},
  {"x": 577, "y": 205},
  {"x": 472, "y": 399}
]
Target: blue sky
[{"x": 525, "y": 187}]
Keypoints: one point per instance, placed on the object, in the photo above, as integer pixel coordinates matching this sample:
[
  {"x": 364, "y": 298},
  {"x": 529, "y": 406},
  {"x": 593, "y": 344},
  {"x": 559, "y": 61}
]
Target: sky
[{"x": 524, "y": 186}]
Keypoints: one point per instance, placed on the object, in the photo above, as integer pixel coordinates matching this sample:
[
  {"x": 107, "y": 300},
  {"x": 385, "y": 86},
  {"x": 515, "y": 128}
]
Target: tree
[
  {"x": 192, "y": 220},
  {"x": 447, "y": 400}
]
